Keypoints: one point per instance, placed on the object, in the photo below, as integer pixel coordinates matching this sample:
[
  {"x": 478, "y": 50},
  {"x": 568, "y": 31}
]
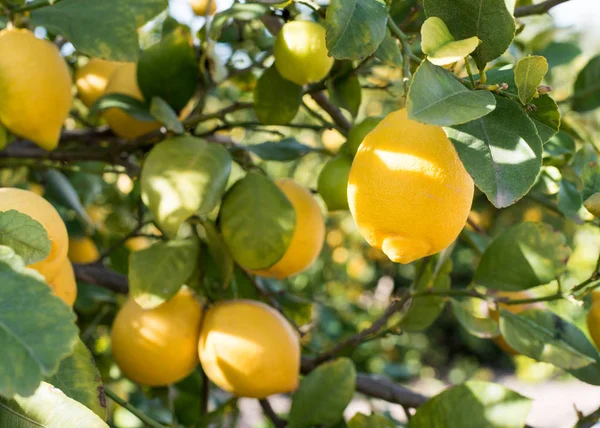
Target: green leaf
[
  {"x": 545, "y": 116},
  {"x": 219, "y": 252},
  {"x": 389, "y": 51},
  {"x": 145, "y": 10},
  {"x": 546, "y": 337},
  {"x": 478, "y": 325},
  {"x": 590, "y": 176},
  {"x": 355, "y": 28},
  {"x": 132, "y": 106},
  {"x": 560, "y": 53},
  {"x": 488, "y": 20},
  {"x": 60, "y": 189},
  {"x": 3, "y": 137},
  {"x": 166, "y": 115},
  {"x": 157, "y": 273},
  {"x": 79, "y": 378},
  {"x": 437, "y": 98},
  {"x": 181, "y": 177},
  {"x": 424, "y": 310},
  {"x": 239, "y": 12},
  {"x": 502, "y": 151},
  {"x": 360, "y": 420},
  {"x": 257, "y": 222},
  {"x": 276, "y": 100},
  {"x": 99, "y": 28},
  {"x": 25, "y": 236},
  {"x": 48, "y": 407},
  {"x": 288, "y": 149},
  {"x": 529, "y": 73},
  {"x": 439, "y": 45},
  {"x": 346, "y": 92},
  {"x": 586, "y": 92},
  {"x": 169, "y": 69},
  {"x": 569, "y": 198},
  {"x": 489, "y": 405},
  {"x": 27, "y": 355},
  {"x": 524, "y": 256},
  {"x": 323, "y": 395}
]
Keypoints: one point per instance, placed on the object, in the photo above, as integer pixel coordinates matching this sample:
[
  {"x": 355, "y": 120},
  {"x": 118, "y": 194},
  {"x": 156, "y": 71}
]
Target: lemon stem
[{"x": 138, "y": 413}]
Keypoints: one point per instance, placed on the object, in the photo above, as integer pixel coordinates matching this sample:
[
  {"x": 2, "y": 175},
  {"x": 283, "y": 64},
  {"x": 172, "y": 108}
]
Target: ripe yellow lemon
[
  {"x": 333, "y": 182},
  {"x": 83, "y": 250},
  {"x": 124, "y": 81},
  {"x": 301, "y": 53},
  {"x": 35, "y": 87},
  {"x": 199, "y": 7},
  {"x": 44, "y": 213},
  {"x": 408, "y": 191},
  {"x": 158, "y": 347},
  {"x": 515, "y": 309},
  {"x": 249, "y": 349},
  {"x": 64, "y": 284},
  {"x": 593, "y": 318},
  {"x": 309, "y": 235},
  {"x": 91, "y": 79}
]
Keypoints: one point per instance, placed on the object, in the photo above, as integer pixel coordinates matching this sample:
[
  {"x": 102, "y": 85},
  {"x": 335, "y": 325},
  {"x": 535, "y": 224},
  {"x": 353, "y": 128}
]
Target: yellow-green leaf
[
  {"x": 529, "y": 73},
  {"x": 440, "y": 46}
]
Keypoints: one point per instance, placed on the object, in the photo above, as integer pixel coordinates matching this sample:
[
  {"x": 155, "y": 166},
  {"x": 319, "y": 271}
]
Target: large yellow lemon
[
  {"x": 515, "y": 309},
  {"x": 309, "y": 235},
  {"x": 158, "y": 347},
  {"x": 249, "y": 349},
  {"x": 64, "y": 284},
  {"x": 408, "y": 191},
  {"x": 199, "y": 7},
  {"x": 35, "y": 87},
  {"x": 44, "y": 213},
  {"x": 301, "y": 53},
  {"x": 91, "y": 79},
  {"x": 124, "y": 81},
  {"x": 593, "y": 318},
  {"x": 83, "y": 250}
]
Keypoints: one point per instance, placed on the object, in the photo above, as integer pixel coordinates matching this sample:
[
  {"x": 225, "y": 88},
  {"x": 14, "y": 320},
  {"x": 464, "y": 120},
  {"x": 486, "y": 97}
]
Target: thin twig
[
  {"x": 138, "y": 413},
  {"x": 270, "y": 413},
  {"x": 343, "y": 125},
  {"x": 537, "y": 9}
]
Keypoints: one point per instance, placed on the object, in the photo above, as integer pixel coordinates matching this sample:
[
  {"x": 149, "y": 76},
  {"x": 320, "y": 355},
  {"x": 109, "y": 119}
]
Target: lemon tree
[{"x": 306, "y": 204}]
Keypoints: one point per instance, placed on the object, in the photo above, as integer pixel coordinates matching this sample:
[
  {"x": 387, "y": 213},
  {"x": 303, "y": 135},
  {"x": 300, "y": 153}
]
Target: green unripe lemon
[
  {"x": 359, "y": 131},
  {"x": 301, "y": 52},
  {"x": 333, "y": 182}
]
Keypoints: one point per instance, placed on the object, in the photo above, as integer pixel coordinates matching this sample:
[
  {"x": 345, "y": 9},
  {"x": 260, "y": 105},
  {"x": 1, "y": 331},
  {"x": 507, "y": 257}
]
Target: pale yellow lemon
[
  {"x": 83, "y": 250},
  {"x": 35, "y": 87},
  {"x": 249, "y": 349},
  {"x": 408, "y": 191},
  {"x": 199, "y": 7},
  {"x": 64, "y": 284},
  {"x": 44, "y": 213},
  {"x": 91, "y": 79},
  {"x": 158, "y": 347},
  {"x": 301, "y": 54},
  {"x": 124, "y": 81},
  {"x": 309, "y": 234}
]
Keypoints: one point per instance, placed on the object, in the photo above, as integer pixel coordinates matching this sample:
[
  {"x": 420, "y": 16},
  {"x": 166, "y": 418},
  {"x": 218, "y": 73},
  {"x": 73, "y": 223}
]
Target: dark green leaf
[
  {"x": 545, "y": 116},
  {"x": 489, "y": 405},
  {"x": 389, "y": 51},
  {"x": 590, "y": 176},
  {"x": 346, "y": 92},
  {"x": 60, "y": 189},
  {"x": 166, "y": 115},
  {"x": 169, "y": 69},
  {"x": 257, "y": 222},
  {"x": 132, "y": 106},
  {"x": 276, "y": 100},
  {"x": 560, "y": 53},
  {"x": 323, "y": 395},
  {"x": 28, "y": 238},
  {"x": 288, "y": 149},
  {"x": 524, "y": 256},
  {"x": 437, "y": 98},
  {"x": 569, "y": 198},
  {"x": 374, "y": 420},
  {"x": 586, "y": 92},
  {"x": 99, "y": 28},
  {"x": 502, "y": 151},
  {"x": 478, "y": 325},
  {"x": 219, "y": 252},
  {"x": 355, "y": 28}
]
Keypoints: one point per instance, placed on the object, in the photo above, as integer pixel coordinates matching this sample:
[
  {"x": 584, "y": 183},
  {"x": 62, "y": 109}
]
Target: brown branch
[
  {"x": 385, "y": 389},
  {"x": 270, "y": 413},
  {"x": 333, "y": 111},
  {"x": 97, "y": 274},
  {"x": 537, "y": 9}
]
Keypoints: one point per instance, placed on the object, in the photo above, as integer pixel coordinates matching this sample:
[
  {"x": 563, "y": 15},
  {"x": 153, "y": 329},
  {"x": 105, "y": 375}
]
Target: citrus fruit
[
  {"x": 35, "y": 87},
  {"x": 308, "y": 236},
  {"x": 158, "y": 347},
  {"x": 515, "y": 309},
  {"x": 358, "y": 132},
  {"x": 592, "y": 204},
  {"x": 249, "y": 349},
  {"x": 44, "y": 213},
  {"x": 124, "y": 81},
  {"x": 92, "y": 78},
  {"x": 593, "y": 318},
  {"x": 301, "y": 53},
  {"x": 83, "y": 250},
  {"x": 408, "y": 191},
  {"x": 333, "y": 182},
  {"x": 64, "y": 284},
  {"x": 137, "y": 243},
  {"x": 199, "y": 7}
]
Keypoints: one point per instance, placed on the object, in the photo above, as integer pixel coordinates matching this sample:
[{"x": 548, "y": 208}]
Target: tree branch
[
  {"x": 385, "y": 389},
  {"x": 270, "y": 413},
  {"x": 97, "y": 274},
  {"x": 537, "y": 9},
  {"x": 333, "y": 111}
]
